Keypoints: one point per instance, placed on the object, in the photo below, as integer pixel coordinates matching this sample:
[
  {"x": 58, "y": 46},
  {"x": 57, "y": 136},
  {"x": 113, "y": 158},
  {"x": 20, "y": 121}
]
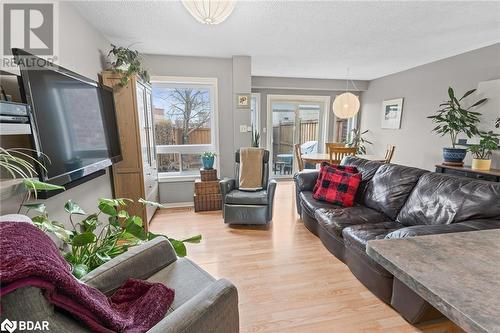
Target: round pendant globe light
[
  {"x": 209, "y": 11},
  {"x": 346, "y": 105}
]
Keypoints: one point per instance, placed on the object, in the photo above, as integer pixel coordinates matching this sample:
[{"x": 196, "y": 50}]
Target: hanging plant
[{"x": 128, "y": 63}]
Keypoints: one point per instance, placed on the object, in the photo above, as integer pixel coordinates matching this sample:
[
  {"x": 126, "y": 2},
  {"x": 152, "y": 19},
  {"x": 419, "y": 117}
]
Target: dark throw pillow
[
  {"x": 325, "y": 166},
  {"x": 338, "y": 187}
]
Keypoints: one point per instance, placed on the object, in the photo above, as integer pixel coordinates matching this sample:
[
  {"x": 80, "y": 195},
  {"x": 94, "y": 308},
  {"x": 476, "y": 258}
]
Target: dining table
[{"x": 323, "y": 157}]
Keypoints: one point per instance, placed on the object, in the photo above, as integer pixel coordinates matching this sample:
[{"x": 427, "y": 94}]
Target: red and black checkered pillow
[
  {"x": 338, "y": 186},
  {"x": 327, "y": 166}
]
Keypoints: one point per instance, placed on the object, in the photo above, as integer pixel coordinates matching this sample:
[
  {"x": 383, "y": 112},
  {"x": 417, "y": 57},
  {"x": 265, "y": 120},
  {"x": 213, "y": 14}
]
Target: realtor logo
[
  {"x": 8, "y": 326},
  {"x": 29, "y": 26}
]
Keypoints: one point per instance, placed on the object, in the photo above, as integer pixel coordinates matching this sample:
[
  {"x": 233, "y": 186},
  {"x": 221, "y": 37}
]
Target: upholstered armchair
[{"x": 248, "y": 207}]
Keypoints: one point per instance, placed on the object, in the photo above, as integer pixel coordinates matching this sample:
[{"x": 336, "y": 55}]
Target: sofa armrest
[
  {"x": 214, "y": 309},
  {"x": 226, "y": 186},
  {"x": 139, "y": 262},
  {"x": 304, "y": 181},
  {"x": 421, "y": 230}
]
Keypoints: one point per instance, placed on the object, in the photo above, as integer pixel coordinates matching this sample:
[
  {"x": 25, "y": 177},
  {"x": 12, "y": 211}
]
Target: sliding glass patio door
[{"x": 293, "y": 122}]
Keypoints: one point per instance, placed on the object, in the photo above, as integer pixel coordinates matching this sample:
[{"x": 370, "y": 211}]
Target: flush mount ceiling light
[
  {"x": 209, "y": 11},
  {"x": 346, "y": 105}
]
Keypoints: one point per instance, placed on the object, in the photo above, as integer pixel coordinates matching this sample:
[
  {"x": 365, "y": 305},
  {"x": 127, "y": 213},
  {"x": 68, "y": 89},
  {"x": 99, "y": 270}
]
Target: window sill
[{"x": 176, "y": 179}]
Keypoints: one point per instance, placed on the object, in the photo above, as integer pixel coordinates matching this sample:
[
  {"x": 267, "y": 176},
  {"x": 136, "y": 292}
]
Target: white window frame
[
  {"x": 257, "y": 111},
  {"x": 195, "y": 148}
]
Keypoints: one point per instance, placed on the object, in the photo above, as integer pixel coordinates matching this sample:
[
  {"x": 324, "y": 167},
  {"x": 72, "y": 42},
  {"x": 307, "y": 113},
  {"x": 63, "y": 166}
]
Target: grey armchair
[
  {"x": 201, "y": 303},
  {"x": 246, "y": 207}
]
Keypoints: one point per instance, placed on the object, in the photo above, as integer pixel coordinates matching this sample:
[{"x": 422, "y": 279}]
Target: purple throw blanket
[{"x": 28, "y": 257}]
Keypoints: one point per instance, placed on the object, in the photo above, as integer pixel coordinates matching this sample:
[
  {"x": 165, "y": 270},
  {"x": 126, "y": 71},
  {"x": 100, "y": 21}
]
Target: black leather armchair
[{"x": 245, "y": 207}]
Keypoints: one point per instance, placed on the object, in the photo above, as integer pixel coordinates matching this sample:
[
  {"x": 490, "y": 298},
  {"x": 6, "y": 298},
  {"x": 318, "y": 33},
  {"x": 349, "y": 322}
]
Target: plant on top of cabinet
[
  {"x": 128, "y": 63},
  {"x": 482, "y": 151},
  {"x": 453, "y": 119}
]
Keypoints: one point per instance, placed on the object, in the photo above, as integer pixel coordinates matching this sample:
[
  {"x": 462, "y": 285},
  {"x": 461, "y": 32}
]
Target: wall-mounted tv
[{"x": 73, "y": 120}]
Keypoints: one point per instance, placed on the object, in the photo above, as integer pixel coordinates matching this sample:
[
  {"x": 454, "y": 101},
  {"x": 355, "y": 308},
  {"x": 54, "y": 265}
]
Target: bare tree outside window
[{"x": 182, "y": 117}]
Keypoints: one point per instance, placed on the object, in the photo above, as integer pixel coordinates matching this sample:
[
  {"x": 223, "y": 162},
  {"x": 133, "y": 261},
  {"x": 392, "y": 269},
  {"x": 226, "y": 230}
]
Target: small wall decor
[
  {"x": 243, "y": 101},
  {"x": 391, "y": 113}
]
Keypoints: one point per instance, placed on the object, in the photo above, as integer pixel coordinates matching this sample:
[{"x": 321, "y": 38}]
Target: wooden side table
[{"x": 492, "y": 175}]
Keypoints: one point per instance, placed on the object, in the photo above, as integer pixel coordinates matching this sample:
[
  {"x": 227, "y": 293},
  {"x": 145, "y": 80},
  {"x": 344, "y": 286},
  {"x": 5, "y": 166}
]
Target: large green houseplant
[
  {"x": 355, "y": 138},
  {"x": 453, "y": 119},
  {"x": 482, "y": 151}
]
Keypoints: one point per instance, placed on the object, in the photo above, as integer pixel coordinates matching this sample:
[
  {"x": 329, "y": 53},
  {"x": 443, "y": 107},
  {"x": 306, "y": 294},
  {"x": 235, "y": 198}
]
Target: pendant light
[
  {"x": 346, "y": 105},
  {"x": 209, "y": 11}
]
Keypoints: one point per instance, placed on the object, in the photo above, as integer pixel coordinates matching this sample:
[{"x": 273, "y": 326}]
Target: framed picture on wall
[
  {"x": 391, "y": 113},
  {"x": 243, "y": 101}
]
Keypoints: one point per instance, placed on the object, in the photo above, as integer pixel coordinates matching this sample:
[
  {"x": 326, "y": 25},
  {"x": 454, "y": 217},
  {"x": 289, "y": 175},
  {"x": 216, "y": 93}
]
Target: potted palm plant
[
  {"x": 453, "y": 119},
  {"x": 355, "y": 138},
  {"x": 482, "y": 151}
]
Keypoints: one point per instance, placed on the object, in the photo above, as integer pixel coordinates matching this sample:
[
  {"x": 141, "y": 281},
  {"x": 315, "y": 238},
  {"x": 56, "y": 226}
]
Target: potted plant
[
  {"x": 482, "y": 151},
  {"x": 255, "y": 138},
  {"x": 207, "y": 158},
  {"x": 355, "y": 139},
  {"x": 453, "y": 119},
  {"x": 128, "y": 63}
]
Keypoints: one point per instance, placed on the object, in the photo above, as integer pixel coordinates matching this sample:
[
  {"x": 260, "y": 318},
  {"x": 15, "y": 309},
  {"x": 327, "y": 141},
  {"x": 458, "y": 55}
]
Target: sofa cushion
[
  {"x": 310, "y": 205},
  {"x": 185, "y": 277},
  {"x": 238, "y": 197},
  {"x": 358, "y": 235},
  {"x": 444, "y": 199},
  {"x": 420, "y": 230},
  {"x": 334, "y": 220},
  {"x": 337, "y": 187},
  {"x": 366, "y": 168},
  {"x": 390, "y": 187}
]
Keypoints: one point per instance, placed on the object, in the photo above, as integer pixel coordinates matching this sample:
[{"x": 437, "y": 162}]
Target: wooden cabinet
[
  {"x": 136, "y": 175},
  {"x": 492, "y": 175}
]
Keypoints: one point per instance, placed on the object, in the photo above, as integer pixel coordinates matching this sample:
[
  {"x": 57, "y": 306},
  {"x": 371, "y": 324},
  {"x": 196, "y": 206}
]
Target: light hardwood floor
[{"x": 287, "y": 281}]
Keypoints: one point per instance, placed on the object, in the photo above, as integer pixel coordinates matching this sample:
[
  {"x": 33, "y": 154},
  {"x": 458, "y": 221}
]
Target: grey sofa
[
  {"x": 244, "y": 207},
  {"x": 201, "y": 303}
]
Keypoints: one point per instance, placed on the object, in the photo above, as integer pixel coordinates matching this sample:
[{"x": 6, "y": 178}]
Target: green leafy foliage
[
  {"x": 127, "y": 62},
  {"x": 100, "y": 236},
  {"x": 208, "y": 154},
  {"x": 487, "y": 144},
  {"x": 452, "y": 118},
  {"x": 255, "y": 138},
  {"x": 355, "y": 139}
]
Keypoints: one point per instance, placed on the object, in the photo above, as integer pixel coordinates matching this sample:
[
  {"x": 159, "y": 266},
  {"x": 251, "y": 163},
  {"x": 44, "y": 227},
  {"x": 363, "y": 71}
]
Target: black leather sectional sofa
[{"x": 395, "y": 201}]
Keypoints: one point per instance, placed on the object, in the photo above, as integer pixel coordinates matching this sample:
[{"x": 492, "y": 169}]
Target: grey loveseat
[{"x": 201, "y": 303}]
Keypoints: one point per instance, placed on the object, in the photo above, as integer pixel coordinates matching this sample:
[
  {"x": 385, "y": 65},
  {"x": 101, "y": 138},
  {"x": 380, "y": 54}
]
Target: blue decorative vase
[
  {"x": 454, "y": 155},
  {"x": 208, "y": 162}
]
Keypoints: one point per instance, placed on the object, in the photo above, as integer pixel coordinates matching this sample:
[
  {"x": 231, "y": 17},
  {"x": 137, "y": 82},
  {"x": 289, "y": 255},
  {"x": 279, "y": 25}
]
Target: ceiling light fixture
[
  {"x": 209, "y": 11},
  {"x": 346, "y": 105}
]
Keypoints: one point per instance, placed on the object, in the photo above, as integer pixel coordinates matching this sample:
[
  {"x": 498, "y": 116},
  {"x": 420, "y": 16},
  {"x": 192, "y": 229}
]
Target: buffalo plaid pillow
[
  {"x": 338, "y": 187},
  {"x": 325, "y": 166}
]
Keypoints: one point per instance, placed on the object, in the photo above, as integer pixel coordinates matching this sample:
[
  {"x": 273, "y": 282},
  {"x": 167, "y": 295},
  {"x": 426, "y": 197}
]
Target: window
[
  {"x": 344, "y": 127},
  {"x": 254, "y": 112},
  {"x": 185, "y": 123}
]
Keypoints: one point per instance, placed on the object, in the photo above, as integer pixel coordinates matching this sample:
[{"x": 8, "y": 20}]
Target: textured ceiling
[{"x": 317, "y": 39}]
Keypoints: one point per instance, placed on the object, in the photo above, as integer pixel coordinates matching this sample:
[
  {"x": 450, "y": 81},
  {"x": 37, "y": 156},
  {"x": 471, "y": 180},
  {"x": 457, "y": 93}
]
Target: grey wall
[
  {"x": 423, "y": 89},
  {"x": 81, "y": 50},
  {"x": 233, "y": 76}
]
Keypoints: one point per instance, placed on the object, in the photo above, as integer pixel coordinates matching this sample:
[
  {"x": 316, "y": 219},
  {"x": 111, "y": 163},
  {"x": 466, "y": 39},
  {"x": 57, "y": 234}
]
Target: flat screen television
[{"x": 73, "y": 120}]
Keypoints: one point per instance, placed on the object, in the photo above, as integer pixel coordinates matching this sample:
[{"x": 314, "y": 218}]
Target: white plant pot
[{"x": 479, "y": 164}]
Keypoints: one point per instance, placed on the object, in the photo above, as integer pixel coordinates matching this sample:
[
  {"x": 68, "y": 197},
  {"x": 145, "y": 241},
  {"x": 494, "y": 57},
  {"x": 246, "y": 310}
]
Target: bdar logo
[{"x": 8, "y": 326}]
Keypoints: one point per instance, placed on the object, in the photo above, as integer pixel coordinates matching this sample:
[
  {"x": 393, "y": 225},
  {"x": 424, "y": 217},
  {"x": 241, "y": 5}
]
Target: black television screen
[{"x": 74, "y": 122}]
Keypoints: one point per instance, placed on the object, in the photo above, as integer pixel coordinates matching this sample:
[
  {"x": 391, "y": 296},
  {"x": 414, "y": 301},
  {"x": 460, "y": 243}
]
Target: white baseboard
[{"x": 178, "y": 204}]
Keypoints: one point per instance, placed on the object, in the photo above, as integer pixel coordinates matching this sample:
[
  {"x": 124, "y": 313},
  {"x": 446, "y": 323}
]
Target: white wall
[
  {"x": 423, "y": 89},
  {"x": 81, "y": 49}
]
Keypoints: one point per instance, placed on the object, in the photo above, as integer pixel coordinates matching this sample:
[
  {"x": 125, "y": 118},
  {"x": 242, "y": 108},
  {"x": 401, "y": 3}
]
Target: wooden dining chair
[
  {"x": 298, "y": 156},
  {"x": 329, "y": 145},
  {"x": 389, "y": 152},
  {"x": 338, "y": 153}
]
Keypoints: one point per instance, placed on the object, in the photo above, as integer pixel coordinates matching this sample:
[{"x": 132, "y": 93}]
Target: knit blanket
[{"x": 30, "y": 258}]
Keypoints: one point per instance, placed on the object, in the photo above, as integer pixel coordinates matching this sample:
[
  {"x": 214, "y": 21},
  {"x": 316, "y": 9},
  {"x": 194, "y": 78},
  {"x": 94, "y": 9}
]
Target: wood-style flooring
[{"x": 287, "y": 281}]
